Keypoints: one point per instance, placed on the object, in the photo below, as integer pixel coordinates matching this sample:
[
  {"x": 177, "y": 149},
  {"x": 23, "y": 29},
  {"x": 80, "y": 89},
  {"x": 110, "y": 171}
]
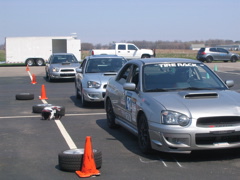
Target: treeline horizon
[
  {"x": 162, "y": 44},
  {"x": 157, "y": 44}
]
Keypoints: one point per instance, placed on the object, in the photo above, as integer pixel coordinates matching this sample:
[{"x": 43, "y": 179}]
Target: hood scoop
[
  {"x": 66, "y": 63},
  {"x": 110, "y": 74},
  {"x": 203, "y": 95}
]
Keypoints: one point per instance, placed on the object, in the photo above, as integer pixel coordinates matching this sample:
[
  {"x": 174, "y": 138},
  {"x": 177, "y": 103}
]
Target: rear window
[{"x": 202, "y": 50}]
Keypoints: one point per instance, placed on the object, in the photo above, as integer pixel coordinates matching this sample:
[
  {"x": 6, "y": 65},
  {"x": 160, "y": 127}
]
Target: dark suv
[{"x": 210, "y": 54}]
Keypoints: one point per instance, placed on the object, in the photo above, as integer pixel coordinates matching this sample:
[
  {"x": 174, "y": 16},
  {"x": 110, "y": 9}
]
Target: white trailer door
[{"x": 74, "y": 46}]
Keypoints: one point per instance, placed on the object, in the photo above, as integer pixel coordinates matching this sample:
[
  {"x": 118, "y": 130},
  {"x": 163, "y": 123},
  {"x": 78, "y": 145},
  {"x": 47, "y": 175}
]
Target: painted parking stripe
[
  {"x": 33, "y": 116},
  {"x": 65, "y": 135}
]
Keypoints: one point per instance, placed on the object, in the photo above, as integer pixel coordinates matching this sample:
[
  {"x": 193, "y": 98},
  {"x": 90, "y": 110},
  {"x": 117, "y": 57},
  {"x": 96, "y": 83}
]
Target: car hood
[
  {"x": 99, "y": 77},
  {"x": 201, "y": 103},
  {"x": 65, "y": 65}
]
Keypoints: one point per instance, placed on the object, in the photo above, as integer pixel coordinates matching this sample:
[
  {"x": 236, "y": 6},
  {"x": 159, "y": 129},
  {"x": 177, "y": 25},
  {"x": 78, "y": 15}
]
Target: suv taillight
[
  {"x": 203, "y": 53},
  {"x": 92, "y": 52}
]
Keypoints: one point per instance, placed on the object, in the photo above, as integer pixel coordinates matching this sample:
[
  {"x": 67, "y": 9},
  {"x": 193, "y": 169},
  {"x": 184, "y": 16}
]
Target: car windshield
[
  {"x": 100, "y": 65},
  {"x": 179, "y": 76},
  {"x": 63, "y": 59}
]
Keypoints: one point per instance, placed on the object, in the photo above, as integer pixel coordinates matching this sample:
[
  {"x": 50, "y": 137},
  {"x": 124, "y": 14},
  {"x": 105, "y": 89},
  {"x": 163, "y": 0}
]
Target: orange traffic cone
[
  {"x": 88, "y": 168},
  {"x": 43, "y": 93},
  {"x": 34, "y": 79},
  {"x": 27, "y": 68}
]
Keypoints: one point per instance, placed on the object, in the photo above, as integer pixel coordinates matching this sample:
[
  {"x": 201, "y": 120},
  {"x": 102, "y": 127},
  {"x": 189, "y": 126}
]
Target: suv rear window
[{"x": 202, "y": 50}]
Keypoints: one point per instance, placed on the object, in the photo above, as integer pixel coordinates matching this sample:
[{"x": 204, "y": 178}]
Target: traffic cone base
[
  {"x": 43, "y": 93},
  {"x": 34, "y": 79},
  {"x": 88, "y": 168}
]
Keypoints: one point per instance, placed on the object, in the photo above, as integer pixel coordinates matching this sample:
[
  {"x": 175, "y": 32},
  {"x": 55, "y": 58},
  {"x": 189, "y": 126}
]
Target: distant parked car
[
  {"x": 174, "y": 105},
  {"x": 210, "y": 54},
  {"x": 93, "y": 75},
  {"x": 61, "y": 66}
]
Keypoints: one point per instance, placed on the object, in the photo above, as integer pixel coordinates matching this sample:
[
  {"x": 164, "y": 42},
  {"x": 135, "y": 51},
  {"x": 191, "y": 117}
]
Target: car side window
[
  {"x": 131, "y": 47},
  {"x": 222, "y": 50},
  {"x": 82, "y": 66},
  {"x": 121, "y": 47},
  {"x": 123, "y": 75},
  {"x": 213, "y": 50},
  {"x": 135, "y": 75}
]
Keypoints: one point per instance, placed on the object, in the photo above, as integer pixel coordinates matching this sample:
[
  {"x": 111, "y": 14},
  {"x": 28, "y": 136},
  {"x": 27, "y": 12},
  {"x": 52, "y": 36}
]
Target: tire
[
  {"x": 30, "y": 62},
  {"x": 71, "y": 160},
  {"x": 145, "y": 56},
  {"x": 83, "y": 101},
  {"x": 39, "y": 107},
  {"x": 49, "y": 78},
  {"x": 24, "y": 96},
  {"x": 233, "y": 59},
  {"x": 143, "y": 135},
  {"x": 110, "y": 115},
  {"x": 209, "y": 59},
  {"x": 62, "y": 111},
  {"x": 77, "y": 94},
  {"x": 39, "y": 62}
]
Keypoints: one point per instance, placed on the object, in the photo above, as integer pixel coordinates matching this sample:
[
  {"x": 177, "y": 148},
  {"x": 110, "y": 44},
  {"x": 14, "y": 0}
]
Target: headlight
[
  {"x": 55, "y": 69},
  {"x": 93, "y": 84},
  {"x": 174, "y": 118}
]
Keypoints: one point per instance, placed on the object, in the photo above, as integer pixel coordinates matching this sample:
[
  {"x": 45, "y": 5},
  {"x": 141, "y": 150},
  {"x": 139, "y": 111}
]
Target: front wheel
[
  {"x": 233, "y": 59},
  {"x": 110, "y": 115},
  {"x": 143, "y": 135}
]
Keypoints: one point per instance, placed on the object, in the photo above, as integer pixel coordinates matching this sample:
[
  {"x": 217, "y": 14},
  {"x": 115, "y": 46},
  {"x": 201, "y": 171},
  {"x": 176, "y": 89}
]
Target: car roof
[
  {"x": 164, "y": 60},
  {"x": 104, "y": 56},
  {"x": 62, "y": 54}
]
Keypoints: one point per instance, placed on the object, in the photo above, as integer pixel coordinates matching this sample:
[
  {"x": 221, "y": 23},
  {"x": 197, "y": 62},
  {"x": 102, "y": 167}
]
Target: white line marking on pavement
[
  {"x": 65, "y": 134},
  {"x": 13, "y": 117}
]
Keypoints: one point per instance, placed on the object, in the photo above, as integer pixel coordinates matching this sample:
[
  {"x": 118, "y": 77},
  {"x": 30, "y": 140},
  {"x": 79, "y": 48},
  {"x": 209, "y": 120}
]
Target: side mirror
[
  {"x": 129, "y": 86},
  {"x": 229, "y": 83},
  {"x": 79, "y": 70}
]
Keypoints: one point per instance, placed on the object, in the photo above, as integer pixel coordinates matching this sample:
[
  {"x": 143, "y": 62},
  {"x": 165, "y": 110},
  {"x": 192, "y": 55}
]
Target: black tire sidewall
[{"x": 24, "y": 96}]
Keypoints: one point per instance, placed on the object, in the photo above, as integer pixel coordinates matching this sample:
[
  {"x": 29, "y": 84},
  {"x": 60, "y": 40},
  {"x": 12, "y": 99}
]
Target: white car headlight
[
  {"x": 93, "y": 84},
  {"x": 55, "y": 69},
  {"x": 174, "y": 118}
]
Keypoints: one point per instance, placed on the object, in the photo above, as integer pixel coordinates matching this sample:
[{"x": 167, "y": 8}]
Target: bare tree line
[
  {"x": 158, "y": 44},
  {"x": 163, "y": 44}
]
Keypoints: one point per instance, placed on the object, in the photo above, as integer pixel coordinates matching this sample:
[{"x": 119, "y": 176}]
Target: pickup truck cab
[{"x": 127, "y": 50}]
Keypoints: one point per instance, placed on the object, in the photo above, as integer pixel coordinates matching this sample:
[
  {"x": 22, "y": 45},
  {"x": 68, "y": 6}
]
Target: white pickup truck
[{"x": 127, "y": 50}]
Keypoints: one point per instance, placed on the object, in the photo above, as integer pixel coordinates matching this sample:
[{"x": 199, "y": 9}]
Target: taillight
[
  {"x": 92, "y": 52},
  {"x": 203, "y": 53}
]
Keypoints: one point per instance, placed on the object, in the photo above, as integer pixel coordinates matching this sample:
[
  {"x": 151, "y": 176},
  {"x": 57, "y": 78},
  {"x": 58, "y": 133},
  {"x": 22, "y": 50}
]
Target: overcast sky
[{"x": 105, "y": 21}]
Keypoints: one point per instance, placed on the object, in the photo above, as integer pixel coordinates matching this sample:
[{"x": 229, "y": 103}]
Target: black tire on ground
[
  {"x": 143, "y": 135},
  {"x": 110, "y": 115},
  {"x": 71, "y": 160},
  {"x": 233, "y": 59},
  {"x": 39, "y": 107},
  {"x": 209, "y": 59},
  {"x": 24, "y": 96}
]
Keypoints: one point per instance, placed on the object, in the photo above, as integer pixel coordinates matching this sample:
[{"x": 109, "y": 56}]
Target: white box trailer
[{"x": 37, "y": 50}]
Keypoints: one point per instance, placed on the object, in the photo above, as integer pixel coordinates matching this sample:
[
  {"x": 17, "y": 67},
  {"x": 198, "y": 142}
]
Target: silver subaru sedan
[
  {"x": 93, "y": 74},
  {"x": 174, "y": 105}
]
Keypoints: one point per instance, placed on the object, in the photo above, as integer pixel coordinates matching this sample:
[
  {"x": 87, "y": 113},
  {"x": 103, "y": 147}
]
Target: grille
[
  {"x": 67, "y": 75},
  {"x": 223, "y": 121},
  {"x": 67, "y": 70},
  {"x": 218, "y": 137}
]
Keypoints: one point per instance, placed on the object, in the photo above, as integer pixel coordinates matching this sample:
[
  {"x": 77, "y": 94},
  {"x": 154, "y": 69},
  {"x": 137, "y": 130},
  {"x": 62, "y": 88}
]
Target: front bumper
[
  {"x": 62, "y": 75},
  {"x": 185, "y": 140},
  {"x": 93, "y": 94}
]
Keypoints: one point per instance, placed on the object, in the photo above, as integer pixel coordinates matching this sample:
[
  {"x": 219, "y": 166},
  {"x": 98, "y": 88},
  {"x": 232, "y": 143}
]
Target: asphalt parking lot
[{"x": 30, "y": 146}]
